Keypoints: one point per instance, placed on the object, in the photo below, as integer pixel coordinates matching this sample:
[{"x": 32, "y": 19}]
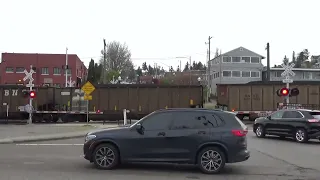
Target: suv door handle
[
  {"x": 161, "y": 134},
  {"x": 201, "y": 132}
]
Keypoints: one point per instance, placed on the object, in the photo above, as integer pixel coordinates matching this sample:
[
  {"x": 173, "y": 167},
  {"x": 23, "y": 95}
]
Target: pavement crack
[{"x": 297, "y": 167}]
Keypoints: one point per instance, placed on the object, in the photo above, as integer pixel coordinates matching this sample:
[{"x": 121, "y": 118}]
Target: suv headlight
[{"x": 90, "y": 137}]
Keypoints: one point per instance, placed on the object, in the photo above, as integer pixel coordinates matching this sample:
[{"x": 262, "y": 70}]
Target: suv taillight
[
  {"x": 313, "y": 120},
  {"x": 239, "y": 133}
]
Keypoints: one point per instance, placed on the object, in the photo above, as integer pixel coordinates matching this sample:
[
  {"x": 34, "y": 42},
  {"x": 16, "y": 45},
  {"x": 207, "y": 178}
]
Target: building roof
[{"x": 243, "y": 49}]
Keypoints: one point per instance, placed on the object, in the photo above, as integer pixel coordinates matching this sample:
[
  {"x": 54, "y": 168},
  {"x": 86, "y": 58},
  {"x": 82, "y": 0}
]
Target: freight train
[
  {"x": 53, "y": 104},
  {"x": 258, "y": 99}
]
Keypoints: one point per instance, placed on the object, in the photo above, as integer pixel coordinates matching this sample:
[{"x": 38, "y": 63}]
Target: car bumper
[
  {"x": 239, "y": 157},
  {"x": 87, "y": 151},
  {"x": 315, "y": 135}
]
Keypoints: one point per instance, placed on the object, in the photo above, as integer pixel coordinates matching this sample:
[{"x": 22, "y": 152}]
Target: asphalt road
[{"x": 271, "y": 158}]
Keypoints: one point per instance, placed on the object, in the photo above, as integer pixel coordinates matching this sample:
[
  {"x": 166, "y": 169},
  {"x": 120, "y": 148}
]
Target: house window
[
  {"x": 45, "y": 71},
  {"x": 236, "y": 59},
  {"x": 236, "y": 73},
  {"x": 226, "y": 59},
  {"x": 245, "y": 73},
  {"x": 226, "y": 73},
  {"x": 246, "y": 59},
  {"x": 255, "y": 60},
  {"x": 255, "y": 74},
  {"x": 19, "y": 69},
  {"x": 9, "y": 70},
  {"x": 307, "y": 75},
  {"x": 277, "y": 74},
  {"x": 56, "y": 71}
]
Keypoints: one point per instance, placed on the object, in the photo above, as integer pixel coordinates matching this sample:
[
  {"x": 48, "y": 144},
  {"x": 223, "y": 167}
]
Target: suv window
[
  {"x": 157, "y": 121},
  {"x": 292, "y": 114},
  {"x": 277, "y": 115},
  {"x": 212, "y": 120},
  {"x": 189, "y": 120},
  {"x": 315, "y": 114}
]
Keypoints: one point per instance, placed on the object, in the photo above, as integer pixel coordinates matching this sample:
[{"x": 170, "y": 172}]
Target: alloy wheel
[
  {"x": 300, "y": 135},
  {"x": 211, "y": 161},
  {"x": 104, "y": 157}
]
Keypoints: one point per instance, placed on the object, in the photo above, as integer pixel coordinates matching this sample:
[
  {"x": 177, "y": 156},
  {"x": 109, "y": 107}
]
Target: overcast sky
[{"x": 159, "y": 30}]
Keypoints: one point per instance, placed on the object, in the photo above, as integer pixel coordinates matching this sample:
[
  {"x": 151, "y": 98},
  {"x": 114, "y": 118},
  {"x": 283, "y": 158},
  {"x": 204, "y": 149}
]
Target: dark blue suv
[{"x": 207, "y": 138}]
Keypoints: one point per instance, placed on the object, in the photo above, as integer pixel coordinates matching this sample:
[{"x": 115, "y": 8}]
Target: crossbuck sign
[{"x": 288, "y": 70}]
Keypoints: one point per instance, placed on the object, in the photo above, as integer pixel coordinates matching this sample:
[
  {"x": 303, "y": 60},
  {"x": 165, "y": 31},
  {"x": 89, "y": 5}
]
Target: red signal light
[
  {"x": 32, "y": 94},
  {"x": 284, "y": 91}
]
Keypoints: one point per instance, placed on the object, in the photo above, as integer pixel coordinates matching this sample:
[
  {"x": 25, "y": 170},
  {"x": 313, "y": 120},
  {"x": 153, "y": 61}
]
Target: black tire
[
  {"x": 109, "y": 151},
  {"x": 302, "y": 137},
  {"x": 260, "y": 131},
  {"x": 220, "y": 159}
]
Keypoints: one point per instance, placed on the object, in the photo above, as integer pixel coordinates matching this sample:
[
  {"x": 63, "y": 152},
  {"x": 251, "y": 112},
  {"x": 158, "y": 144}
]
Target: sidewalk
[{"x": 39, "y": 132}]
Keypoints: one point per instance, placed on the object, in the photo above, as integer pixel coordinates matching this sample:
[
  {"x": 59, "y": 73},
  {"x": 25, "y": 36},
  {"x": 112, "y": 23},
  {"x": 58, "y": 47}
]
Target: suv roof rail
[{"x": 192, "y": 109}]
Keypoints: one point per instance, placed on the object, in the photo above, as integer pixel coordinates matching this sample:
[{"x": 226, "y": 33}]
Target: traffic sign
[
  {"x": 288, "y": 70},
  {"x": 88, "y": 88},
  {"x": 287, "y": 80},
  {"x": 30, "y": 85},
  {"x": 87, "y": 97},
  {"x": 28, "y": 75}
]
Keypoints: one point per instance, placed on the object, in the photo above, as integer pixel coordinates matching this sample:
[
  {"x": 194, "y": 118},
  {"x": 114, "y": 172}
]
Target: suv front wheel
[
  {"x": 211, "y": 160},
  {"x": 106, "y": 156}
]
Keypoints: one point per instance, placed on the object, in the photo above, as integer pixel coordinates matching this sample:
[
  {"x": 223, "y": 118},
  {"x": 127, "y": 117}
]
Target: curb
[
  {"x": 42, "y": 137},
  {"x": 49, "y": 137}
]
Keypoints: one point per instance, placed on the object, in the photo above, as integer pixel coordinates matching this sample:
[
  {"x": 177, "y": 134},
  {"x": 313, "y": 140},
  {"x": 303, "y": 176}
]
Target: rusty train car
[
  {"x": 108, "y": 101},
  {"x": 260, "y": 98}
]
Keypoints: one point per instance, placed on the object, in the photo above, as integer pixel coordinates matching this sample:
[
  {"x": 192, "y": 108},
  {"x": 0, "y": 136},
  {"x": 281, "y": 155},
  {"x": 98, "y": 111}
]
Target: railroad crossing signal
[
  {"x": 288, "y": 70},
  {"x": 29, "y": 93},
  {"x": 288, "y": 92},
  {"x": 29, "y": 75},
  {"x": 32, "y": 94}
]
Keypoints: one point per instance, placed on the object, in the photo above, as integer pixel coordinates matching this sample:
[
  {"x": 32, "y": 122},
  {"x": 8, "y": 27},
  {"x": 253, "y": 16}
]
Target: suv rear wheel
[
  {"x": 301, "y": 135},
  {"x": 211, "y": 160}
]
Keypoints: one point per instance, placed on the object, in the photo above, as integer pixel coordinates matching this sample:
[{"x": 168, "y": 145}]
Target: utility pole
[
  {"x": 104, "y": 75},
  {"x": 190, "y": 70},
  {"x": 208, "y": 66},
  {"x": 66, "y": 67},
  {"x": 268, "y": 61}
]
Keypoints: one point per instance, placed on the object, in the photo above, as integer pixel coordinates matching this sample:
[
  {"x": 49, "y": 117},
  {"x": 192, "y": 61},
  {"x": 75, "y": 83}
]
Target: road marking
[{"x": 49, "y": 144}]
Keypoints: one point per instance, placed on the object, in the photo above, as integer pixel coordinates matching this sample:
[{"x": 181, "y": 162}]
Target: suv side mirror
[{"x": 139, "y": 128}]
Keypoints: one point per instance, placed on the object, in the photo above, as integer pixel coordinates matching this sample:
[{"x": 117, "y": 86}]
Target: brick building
[{"x": 49, "y": 68}]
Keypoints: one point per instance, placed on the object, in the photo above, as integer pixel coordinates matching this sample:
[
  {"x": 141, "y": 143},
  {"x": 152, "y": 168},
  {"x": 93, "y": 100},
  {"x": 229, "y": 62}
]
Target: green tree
[
  {"x": 91, "y": 72},
  {"x": 186, "y": 67},
  {"x": 97, "y": 72},
  {"x": 285, "y": 60},
  {"x": 302, "y": 57},
  {"x": 216, "y": 53},
  {"x": 118, "y": 59},
  {"x": 139, "y": 71},
  {"x": 144, "y": 66}
]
